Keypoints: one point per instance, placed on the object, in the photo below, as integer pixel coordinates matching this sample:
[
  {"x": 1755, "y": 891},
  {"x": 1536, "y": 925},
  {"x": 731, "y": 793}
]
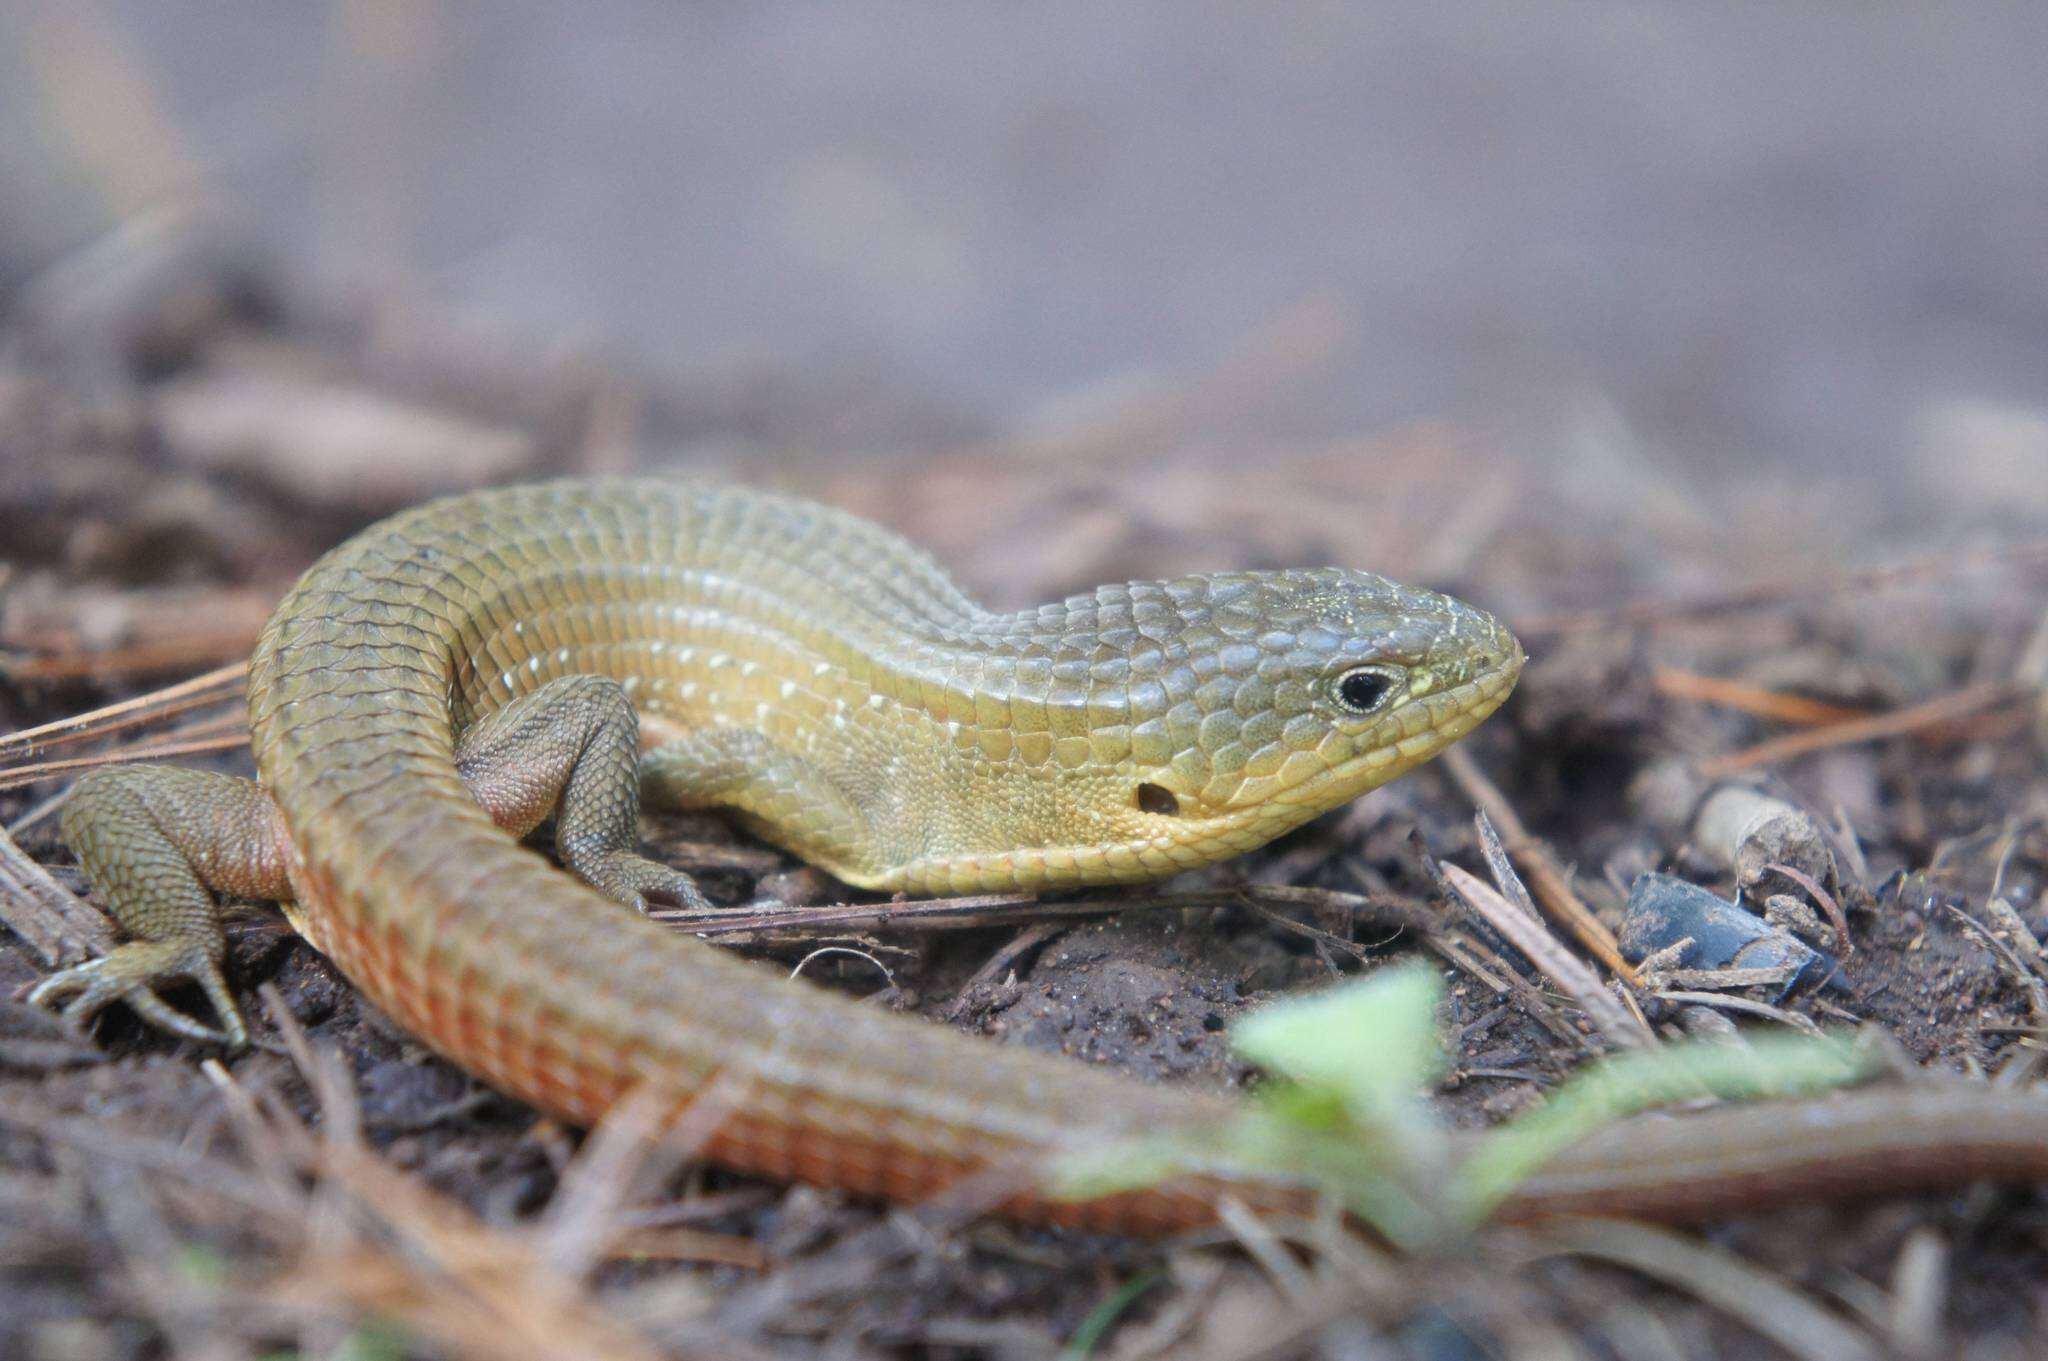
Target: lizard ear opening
[{"x": 1158, "y": 799}]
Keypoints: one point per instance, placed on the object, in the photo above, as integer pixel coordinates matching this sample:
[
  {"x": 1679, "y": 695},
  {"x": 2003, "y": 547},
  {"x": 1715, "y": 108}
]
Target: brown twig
[
  {"x": 1898, "y": 723},
  {"x": 18, "y": 776},
  {"x": 1526, "y": 932},
  {"x": 1324, "y": 941},
  {"x": 1836, "y": 917},
  {"x": 1547, "y": 878},
  {"x": 2005, "y": 919},
  {"x": 976, "y": 911},
  {"x": 1459, "y": 956},
  {"x": 162, "y": 654},
  {"x": 172, "y": 699},
  {"x": 1480, "y": 960},
  {"x": 1749, "y": 699},
  {"x": 1763, "y": 1301},
  {"x": 58, "y": 925},
  {"x": 1715, "y": 980},
  {"x": 1023, "y": 943},
  {"x": 2028, "y": 981},
  {"x": 718, "y": 855},
  {"x": 1728, "y": 1002}
]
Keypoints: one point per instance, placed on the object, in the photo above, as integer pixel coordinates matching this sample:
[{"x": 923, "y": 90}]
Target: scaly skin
[
  {"x": 432, "y": 689},
  {"x": 428, "y": 688}
]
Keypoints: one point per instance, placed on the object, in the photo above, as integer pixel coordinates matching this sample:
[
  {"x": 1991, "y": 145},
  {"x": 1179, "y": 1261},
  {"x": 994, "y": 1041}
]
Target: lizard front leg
[
  {"x": 572, "y": 748},
  {"x": 158, "y": 842}
]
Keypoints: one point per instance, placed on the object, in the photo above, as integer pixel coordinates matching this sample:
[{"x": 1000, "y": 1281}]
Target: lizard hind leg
[
  {"x": 572, "y": 748},
  {"x": 157, "y": 842}
]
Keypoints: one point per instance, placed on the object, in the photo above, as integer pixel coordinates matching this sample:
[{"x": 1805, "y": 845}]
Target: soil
[{"x": 160, "y": 1198}]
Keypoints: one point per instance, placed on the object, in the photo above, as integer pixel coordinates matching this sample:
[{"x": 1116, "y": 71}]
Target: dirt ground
[
  {"x": 163, "y": 485},
  {"x": 1703, "y": 345}
]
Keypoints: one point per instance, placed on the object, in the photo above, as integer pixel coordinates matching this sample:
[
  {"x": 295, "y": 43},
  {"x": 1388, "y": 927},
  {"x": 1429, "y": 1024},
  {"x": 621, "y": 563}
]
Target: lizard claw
[
  {"x": 132, "y": 973},
  {"x": 642, "y": 884}
]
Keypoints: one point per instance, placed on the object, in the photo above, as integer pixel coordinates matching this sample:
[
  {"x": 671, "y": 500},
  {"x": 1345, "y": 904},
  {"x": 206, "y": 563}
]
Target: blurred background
[
  {"x": 1200, "y": 284},
  {"x": 1707, "y": 343}
]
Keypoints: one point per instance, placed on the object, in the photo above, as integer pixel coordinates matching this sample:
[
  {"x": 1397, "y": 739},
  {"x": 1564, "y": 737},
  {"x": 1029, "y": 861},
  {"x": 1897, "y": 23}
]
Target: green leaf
[
  {"x": 1103, "y": 1315},
  {"x": 1346, "y": 1112},
  {"x": 1764, "y": 1066},
  {"x": 1373, "y": 1045},
  {"x": 1099, "y": 1170},
  {"x": 201, "y": 1265}
]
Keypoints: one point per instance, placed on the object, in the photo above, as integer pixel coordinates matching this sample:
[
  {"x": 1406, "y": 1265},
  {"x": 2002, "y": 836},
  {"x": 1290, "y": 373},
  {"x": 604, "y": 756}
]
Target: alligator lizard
[{"x": 434, "y": 689}]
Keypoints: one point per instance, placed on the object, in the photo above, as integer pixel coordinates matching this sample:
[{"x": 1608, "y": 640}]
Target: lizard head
[
  {"x": 1155, "y": 726},
  {"x": 1258, "y": 700}
]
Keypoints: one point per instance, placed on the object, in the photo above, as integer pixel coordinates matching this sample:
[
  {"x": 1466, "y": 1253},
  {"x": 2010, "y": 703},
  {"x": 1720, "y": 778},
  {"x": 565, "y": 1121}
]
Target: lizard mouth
[{"x": 1189, "y": 842}]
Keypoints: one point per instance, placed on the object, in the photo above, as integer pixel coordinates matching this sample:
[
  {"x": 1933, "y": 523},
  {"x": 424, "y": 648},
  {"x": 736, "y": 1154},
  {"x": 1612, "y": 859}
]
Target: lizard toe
[
  {"x": 132, "y": 973},
  {"x": 642, "y": 883}
]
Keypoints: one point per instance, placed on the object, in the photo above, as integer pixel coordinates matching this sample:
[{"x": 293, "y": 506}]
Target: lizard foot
[
  {"x": 641, "y": 883},
  {"x": 132, "y": 973}
]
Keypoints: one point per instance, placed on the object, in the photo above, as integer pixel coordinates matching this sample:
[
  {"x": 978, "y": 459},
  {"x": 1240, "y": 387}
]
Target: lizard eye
[{"x": 1362, "y": 689}]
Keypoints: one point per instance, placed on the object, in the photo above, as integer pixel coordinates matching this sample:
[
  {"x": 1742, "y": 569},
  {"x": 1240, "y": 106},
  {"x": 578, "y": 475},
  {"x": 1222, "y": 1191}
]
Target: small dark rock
[{"x": 1663, "y": 910}]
